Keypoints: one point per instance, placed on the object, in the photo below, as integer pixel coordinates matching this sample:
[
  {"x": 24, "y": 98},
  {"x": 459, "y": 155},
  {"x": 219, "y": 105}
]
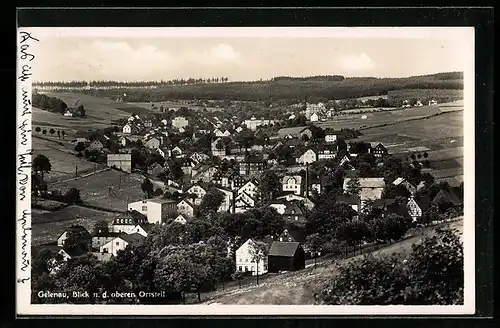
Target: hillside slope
[{"x": 297, "y": 288}]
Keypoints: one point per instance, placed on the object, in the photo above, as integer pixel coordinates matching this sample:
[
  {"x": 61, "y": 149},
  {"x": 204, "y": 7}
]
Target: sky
[{"x": 139, "y": 55}]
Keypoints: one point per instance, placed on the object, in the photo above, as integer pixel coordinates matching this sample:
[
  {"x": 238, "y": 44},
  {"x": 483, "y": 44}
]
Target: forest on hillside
[{"x": 312, "y": 89}]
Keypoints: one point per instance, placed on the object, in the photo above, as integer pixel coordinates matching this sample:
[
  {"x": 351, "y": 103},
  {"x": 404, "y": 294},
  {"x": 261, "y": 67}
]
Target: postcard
[{"x": 245, "y": 171}]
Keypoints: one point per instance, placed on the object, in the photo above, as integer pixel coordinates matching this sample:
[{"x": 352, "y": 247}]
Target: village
[{"x": 271, "y": 184}]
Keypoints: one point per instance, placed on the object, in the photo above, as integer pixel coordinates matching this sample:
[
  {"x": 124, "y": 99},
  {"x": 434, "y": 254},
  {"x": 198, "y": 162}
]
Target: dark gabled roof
[
  {"x": 292, "y": 208},
  {"x": 348, "y": 199},
  {"x": 287, "y": 249},
  {"x": 106, "y": 234},
  {"x": 52, "y": 247},
  {"x": 76, "y": 251},
  {"x": 457, "y": 193},
  {"x": 424, "y": 202},
  {"x": 132, "y": 238},
  {"x": 443, "y": 197},
  {"x": 297, "y": 235},
  {"x": 77, "y": 229},
  {"x": 146, "y": 226}
]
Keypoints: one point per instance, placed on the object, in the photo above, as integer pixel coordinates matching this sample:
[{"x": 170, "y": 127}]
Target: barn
[{"x": 286, "y": 256}]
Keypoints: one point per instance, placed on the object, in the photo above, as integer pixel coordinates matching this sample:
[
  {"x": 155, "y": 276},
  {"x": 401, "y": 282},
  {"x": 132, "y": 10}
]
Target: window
[
  {"x": 246, "y": 269},
  {"x": 138, "y": 230},
  {"x": 104, "y": 250},
  {"x": 241, "y": 260},
  {"x": 117, "y": 243},
  {"x": 239, "y": 268},
  {"x": 246, "y": 260},
  {"x": 144, "y": 208}
]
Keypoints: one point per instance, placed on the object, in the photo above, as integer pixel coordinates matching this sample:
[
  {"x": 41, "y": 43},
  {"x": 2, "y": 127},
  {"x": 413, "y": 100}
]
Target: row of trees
[
  {"x": 60, "y": 133},
  {"x": 281, "y": 89}
]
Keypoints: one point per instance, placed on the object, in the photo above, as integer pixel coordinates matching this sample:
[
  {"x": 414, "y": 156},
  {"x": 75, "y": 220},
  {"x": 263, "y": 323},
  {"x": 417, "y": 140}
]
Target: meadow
[
  {"x": 47, "y": 226},
  {"x": 64, "y": 162},
  {"x": 109, "y": 189}
]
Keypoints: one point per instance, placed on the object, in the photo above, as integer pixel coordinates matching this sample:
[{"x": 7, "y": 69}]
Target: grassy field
[
  {"x": 167, "y": 104},
  {"x": 436, "y": 94},
  {"x": 95, "y": 189},
  {"x": 101, "y": 112},
  {"x": 297, "y": 288},
  {"x": 62, "y": 160},
  {"x": 47, "y": 226}
]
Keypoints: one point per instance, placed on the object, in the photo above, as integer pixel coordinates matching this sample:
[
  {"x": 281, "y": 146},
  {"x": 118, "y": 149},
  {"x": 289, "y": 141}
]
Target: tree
[
  {"x": 38, "y": 129},
  {"x": 258, "y": 253},
  {"x": 158, "y": 191},
  {"x": 314, "y": 242},
  {"x": 353, "y": 187},
  {"x": 59, "y": 134},
  {"x": 432, "y": 274},
  {"x": 210, "y": 203},
  {"x": 72, "y": 196},
  {"x": 52, "y": 131},
  {"x": 63, "y": 133},
  {"x": 41, "y": 163},
  {"x": 101, "y": 226},
  {"x": 426, "y": 155},
  {"x": 270, "y": 185},
  {"x": 80, "y": 147},
  {"x": 238, "y": 276},
  {"x": 75, "y": 238},
  {"x": 147, "y": 187}
]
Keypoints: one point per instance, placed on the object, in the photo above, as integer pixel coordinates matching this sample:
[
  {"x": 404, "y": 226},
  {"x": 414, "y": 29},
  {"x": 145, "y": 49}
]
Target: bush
[
  {"x": 431, "y": 275},
  {"x": 72, "y": 196}
]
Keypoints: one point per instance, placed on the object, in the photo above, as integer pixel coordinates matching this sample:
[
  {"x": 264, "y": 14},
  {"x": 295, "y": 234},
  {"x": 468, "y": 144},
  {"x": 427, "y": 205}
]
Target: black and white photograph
[{"x": 240, "y": 170}]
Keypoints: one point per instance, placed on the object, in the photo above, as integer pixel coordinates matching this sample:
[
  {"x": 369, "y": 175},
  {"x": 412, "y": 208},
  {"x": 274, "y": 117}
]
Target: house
[
  {"x": 245, "y": 260},
  {"x": 251, "y": 188},
  {"x": 124, "y": 141},
  {"x": 308, "y": 157},
  {"x": 181, "y": 219},
  {"x": 290, "y": 211},
  {"x": 76, "y": 230},
  {"x": 143, "y": 229},
  {"x": 253, "y": 123},
  {"x": 120, "y": 161},
  {"x": 417, "y": 207},
  {"x": 293, "y": 184},
  {"x": 100, "y": 238},
  {"x": 243, "y": 203},
  {"x": 176, "y": 151},
  {"x": 432, "y": 102},
  {"x": 121, "y": 242},
  {"x": 197, "y": 157},
  {"x": 314, "y": 117},
  {"x": 198, "y": 190},
  {"x": 292, "y": 235},
  {"x": 305, "y": 201},
  {"x": 371, "y": 188},
  {"x": 218, "y": 148},
  {"x": 187, "y": 166},
  {"x": 148, "y": 123},
  {"x": 445, "y": 199},
  {"x": 330, "y": 135},
  {"x": 295, "y": 132},
  {"x": 180, "y": 122},
  {"x": 390, "y": 206},
  {"x": 185, "y": 208},
  {"x": 125, "y": 223},
  {"x": 251, "y": 166},
  {"x": 222, "y": 179},
  {"x": 220, "y": 133},
  {"x": 53, "y": 264},
  {"x": 154, "y": 142},
  {"x": 227, "y": 203},
  {"x": 205, "y": 173},
  {"x": 326, "y": 153},
  {"x": 155, "y": 169},
  {"x": 68, "y": 113},
  {"x": 236, "y": 180},
  {"x": 351, "y": 200},
  {"x": 155, "y": 209},
  {"x": 315, "y": 184},
  {"x": 402, "y": 182},
  {"x": 96, "y": 145},
  {"x": 129, "y": 129},
  {"x": 286, "y": 256},
  {"x": 379, "y": 151},
  {"x": 165, "y": 152}
]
